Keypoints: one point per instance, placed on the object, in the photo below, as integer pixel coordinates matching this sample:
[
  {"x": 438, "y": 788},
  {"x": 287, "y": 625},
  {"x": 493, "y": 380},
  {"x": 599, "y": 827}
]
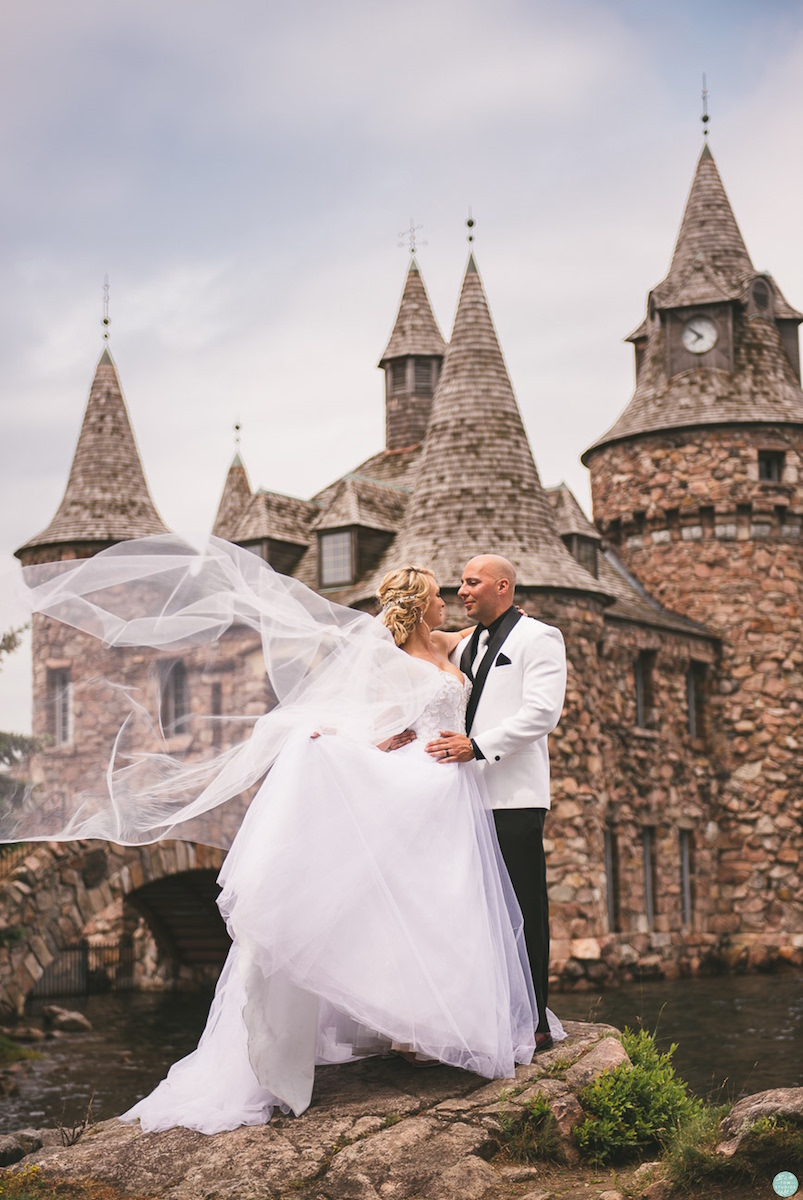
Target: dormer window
[
  {"x": 336, "y": 556},
  {"x": 770, "y": 465},
  {"x": 584, "y": 550},
  {"x": 760, "y": 303}
]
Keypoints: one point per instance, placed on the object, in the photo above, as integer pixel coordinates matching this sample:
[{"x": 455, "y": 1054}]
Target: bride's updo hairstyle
[{"x": 404, "y": 596}]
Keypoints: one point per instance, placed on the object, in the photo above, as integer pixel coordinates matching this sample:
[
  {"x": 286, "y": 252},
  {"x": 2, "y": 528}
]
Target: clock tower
[{"x": 698, "y": 485}]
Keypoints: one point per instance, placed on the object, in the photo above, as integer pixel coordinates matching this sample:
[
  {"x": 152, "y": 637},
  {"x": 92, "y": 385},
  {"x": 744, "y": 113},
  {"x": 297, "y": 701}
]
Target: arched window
[{"x": 175, "y": 707}]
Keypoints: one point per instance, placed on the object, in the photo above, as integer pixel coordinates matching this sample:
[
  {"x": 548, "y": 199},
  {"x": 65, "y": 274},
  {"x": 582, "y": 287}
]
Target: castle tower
[
  {"x": 107, "y": 498},
  {"x": 477, "y": 487},
  {"x": 411, "y": 362},
  {"x": 698, "y": 487}
]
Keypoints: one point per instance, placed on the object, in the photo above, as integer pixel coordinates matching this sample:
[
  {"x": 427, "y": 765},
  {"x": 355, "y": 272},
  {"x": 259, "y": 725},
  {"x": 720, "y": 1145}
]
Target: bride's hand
[{"x": 398, "y": 740}]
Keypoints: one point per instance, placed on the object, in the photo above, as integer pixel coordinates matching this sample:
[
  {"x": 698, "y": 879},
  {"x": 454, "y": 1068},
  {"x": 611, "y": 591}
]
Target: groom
[{"x": 518, "y": 669}]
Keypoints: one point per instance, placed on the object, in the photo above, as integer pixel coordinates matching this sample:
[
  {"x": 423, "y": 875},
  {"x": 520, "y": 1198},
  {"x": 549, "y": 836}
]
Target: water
[{"x": 735, "y": 1035}]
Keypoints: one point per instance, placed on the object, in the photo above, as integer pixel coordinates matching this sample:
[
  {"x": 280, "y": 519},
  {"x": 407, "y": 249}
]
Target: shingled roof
[
  {"x": 477, "y": 487},
  {"x": 274, "y": 515},
  {"x": 710, "y": 265},
  {"x": 358, "y": 500},
  {"x": 107, "y": 498},
  {"x": 234, "y": 500},
  {"x": 416, "y": 330}
]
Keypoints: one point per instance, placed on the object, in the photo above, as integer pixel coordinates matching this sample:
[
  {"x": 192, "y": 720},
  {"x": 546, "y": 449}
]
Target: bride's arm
[{"x": 448, "y": 641}]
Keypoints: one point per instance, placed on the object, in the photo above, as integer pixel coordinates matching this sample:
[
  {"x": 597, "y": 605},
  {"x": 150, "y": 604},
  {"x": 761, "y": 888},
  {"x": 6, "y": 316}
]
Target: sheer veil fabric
[
  {"x": 364, "y": 892},
  {"x": 329, "y": 668}
]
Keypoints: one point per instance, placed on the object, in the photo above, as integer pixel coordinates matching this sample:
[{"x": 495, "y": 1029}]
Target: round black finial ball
[
  {"x": 470, "y": 222},
  {"x": 107, "y": 321}
]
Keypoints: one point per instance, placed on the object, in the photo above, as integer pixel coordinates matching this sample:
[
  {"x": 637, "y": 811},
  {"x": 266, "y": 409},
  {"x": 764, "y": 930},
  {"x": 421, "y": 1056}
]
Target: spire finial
[
  {"x": 470, "y": 223},
  {"x": 408, "y": 236},
  {"x": 705, "y": 118},
  {"x": 237, "y": 428},
  {"x": 106, "y": 318}
]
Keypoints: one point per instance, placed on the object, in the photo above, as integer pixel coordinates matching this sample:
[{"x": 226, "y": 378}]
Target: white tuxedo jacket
[{"x": 519, "y": 706}]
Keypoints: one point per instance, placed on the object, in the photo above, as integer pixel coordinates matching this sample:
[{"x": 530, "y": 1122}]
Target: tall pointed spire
[
  {"x": 710, "y": 261},
  {"x": 234, "y": 500},
  {"x": 477, "y": 489},
  {"x": 411, "y": 363},
  {"x": 107, "y": 498},
  {"x": 415, "y": 331}
]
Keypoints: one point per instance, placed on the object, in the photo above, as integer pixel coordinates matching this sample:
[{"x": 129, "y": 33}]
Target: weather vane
[
  {"x": 106, "y": 318},
  {"x": 705, "y": 118},
  {"x": 408, "y": 236},
  {"x": 470, "y": 223}
]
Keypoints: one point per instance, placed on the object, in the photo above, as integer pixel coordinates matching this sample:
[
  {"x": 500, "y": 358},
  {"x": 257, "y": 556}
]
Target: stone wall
[{"x": 693, "y": 521}]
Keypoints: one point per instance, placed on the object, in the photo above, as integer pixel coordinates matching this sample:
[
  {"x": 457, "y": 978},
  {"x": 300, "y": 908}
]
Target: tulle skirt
[{"x": 369, "y": 908}]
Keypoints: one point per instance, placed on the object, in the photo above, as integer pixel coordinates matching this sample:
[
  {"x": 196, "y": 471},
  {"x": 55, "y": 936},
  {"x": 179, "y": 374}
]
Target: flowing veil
[{"x": 327, "y": 667}]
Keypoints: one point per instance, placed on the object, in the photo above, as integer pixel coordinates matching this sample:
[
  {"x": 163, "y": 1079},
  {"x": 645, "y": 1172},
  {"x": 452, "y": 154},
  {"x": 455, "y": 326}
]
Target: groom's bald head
[{"x": 487, "y": 587}]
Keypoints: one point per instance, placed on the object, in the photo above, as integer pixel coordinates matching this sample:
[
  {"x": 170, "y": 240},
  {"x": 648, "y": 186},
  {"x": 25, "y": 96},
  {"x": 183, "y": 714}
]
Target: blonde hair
[{"x": 404, "y": 596}]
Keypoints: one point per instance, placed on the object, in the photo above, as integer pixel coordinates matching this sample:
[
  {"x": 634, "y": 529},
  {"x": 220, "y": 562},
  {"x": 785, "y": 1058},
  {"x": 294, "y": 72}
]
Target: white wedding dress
[
  {"x": 369, "y": 907},
  {"x": 364, "y": 891}
]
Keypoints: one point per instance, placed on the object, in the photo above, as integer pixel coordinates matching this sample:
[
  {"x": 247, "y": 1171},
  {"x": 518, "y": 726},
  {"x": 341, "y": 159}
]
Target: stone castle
[{"x": 675, "y": 836}]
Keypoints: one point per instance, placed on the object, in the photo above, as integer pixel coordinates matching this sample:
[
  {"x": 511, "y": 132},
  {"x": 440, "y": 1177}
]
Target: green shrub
[
  {"x": 11, "y": 1051},
  {"x": 532, "y": 1133},
  {"x": 631, "y": 1110}
]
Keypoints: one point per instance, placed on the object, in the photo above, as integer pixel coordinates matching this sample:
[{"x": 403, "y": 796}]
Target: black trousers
[{"x": 521, "y": 840}]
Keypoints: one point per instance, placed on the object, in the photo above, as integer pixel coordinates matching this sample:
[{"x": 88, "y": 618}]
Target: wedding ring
[{"x": 446, "y": 754}]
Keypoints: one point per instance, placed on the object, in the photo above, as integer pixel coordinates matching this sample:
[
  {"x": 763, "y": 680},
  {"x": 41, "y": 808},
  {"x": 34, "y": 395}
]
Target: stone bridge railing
[{"x": 48, "y": 897}]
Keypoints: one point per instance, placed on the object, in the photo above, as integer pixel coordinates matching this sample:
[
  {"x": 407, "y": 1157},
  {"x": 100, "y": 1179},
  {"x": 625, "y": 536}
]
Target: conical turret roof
[
  {"x": 234, "y": 500},
  {"x": 477, "y": 488},
  {"x": 710, "y": 261},
  {"x": 416, "y": 331},
  {"x": 710, "y": 265},
  {"x": 107, "y": 498}
]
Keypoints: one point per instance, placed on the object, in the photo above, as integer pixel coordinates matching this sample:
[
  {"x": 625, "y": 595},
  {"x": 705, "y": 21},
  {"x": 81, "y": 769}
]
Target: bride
[{"x": 364, "y": 892}]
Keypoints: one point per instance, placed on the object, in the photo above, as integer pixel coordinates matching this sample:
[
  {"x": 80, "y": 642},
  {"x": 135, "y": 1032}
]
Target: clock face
[{"x": 699, "y": 335}]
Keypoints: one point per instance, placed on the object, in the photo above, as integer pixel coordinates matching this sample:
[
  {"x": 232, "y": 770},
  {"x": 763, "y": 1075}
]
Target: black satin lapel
[
  {"x": 470, "y": 653},
  {"x": 511, "y": 617}
]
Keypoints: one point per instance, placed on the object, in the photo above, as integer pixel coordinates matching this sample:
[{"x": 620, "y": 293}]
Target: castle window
[
  {"x": 761, "y": 297},
  {"x": 686, "y": 866},
  {"x": 770, "y": 465},
  {"x": 696, "y": 694},
  {"x": 398, "y": 375},
  {"x": 584, "y": 550},
  {"x": 175, "y": 708},
  {"x": 648, "y": 853},
  {"x": 336, "y": 558},
  {"x": 612, "y": 879},
  {"x": 216, "y": 707},
  {"x": 59, "y": 700},
  {"x": 643, "y": 678},
  {"x": 423, "y": 377}
]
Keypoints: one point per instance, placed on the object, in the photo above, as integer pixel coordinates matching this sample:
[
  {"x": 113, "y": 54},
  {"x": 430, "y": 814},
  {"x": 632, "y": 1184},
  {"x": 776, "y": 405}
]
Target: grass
[
  {"x": 30, "y": 1184},
  {"x": 11, "y": 1052}
]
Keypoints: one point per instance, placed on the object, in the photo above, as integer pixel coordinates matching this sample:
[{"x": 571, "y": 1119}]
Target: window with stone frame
[
  {"x": 611, "y": 850},
  {"x": 216, "y": 712},
  {"x": 643, "y": 672},
  {"x": 686, "y": 853},
  {"x": 175, "y": 705},
  {"x": 59, "y": 703},
  {"x": 336, "y": 557},
  {"x": 648, "y": 856},
  {"x": 697, "y": 698},
  {"x": 770, "y": 465}
]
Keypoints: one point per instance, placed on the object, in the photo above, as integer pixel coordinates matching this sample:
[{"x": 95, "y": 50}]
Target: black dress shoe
[{"x": 543, "y": 1041}]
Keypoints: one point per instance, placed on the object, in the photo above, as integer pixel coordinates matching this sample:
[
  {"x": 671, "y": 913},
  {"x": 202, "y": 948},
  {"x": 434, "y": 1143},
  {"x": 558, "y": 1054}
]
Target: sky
[{"x": 243, "y": 171}]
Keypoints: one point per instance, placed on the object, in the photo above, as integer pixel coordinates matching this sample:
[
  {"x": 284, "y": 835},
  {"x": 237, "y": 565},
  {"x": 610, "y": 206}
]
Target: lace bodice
[{"x": 446, "y": 709}]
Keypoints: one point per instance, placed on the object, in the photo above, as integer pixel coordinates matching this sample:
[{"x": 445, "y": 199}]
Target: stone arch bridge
[{"x": 49, "y": 891}]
